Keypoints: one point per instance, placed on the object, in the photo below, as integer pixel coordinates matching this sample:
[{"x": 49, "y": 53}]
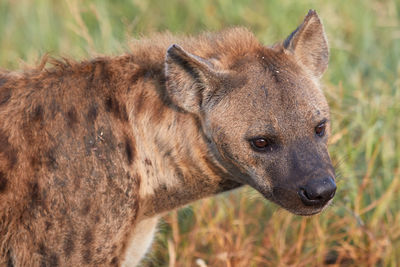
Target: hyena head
[{"x": 264, "y": 114}]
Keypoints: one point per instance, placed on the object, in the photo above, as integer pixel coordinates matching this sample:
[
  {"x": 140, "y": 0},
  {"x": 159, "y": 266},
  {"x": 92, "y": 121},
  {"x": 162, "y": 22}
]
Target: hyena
[{"x": 92, "y": 153}]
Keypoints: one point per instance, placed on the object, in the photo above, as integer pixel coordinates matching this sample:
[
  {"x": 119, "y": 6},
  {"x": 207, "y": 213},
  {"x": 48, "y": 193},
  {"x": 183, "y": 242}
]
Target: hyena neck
[{"x": 175, "y": 162}]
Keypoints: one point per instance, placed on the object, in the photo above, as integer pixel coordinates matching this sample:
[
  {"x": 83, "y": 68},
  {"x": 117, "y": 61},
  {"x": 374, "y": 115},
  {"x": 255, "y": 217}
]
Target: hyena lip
[
  {"x": 290, "y": 201},
  {"x": 302, "y": 210},
  {"x": 308, "y": 213}
]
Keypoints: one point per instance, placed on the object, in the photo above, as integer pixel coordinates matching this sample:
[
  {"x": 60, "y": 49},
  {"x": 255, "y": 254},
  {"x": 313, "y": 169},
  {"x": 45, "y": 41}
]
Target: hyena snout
[{"x": 317, "y": 192}]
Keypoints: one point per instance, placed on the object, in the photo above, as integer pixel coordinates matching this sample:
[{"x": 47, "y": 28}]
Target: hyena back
[{"x": 92, "y": 153}]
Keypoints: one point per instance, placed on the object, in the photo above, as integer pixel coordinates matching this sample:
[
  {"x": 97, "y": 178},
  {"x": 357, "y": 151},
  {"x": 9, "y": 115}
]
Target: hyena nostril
[
  {"x": 318, "y": 191},
  {"x": 311, "y": 195}
]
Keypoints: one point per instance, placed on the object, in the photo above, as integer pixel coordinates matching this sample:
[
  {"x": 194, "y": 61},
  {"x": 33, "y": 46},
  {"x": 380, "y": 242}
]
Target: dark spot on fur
[
  {"x": 34, "y": 162},
  {"x": 90, "y": 143},
  {"x": 264, "y": 88},
  {"x": 144, "y": 73},
  {"x": 48, "y": 225},
  {"x": 34, "y": 189},
  {"x": 3, "y": 182},
  {"x": 10, "y": 262},
  {"x": 114, "y": 261},
  {"x": 86, "y": 207},
  {"x": 60, "y": 182},
  {"x": 129, "y": 150},
  {"x": 148, "y": 74},
  {"x": 147, "y": 162},
  {"x": 5, "y": 95},
  {"x": 109, "y": 104},
  {"x": 63, "y": 211},
  {"x": 3, "y": 80},
  {"x": 37, "y": 114},
  {"x": 137, "y": 75},
  {"x": 69, "y": 244},
  {"x": 87, "y": 237},
  {"x": 51, "y": 161},
  {"x": 37, "y": 85},
  {"x": 163, "y": 187},
  {"x": 34, "y": 193},
  {"x": 87, "y": 256},
  {"x": 92, "y": 113},
  {"x": 4, "y": 145},
  {"x": 72, "y": 117},
  {"x": 101, "y": 69},
  {"x": 42, "y": 249},
  {"x": 54, "y": 108},
  {"x": 11, "y": 155},
  {"x": 48, "y": 259},
  {"x": 117, "y": 109},
  {"x": 53, "y": 260},
  {"x": 273, "y": 71},
  {"x": 90, "y": 78},
  {"x": 7, "y": 150}
]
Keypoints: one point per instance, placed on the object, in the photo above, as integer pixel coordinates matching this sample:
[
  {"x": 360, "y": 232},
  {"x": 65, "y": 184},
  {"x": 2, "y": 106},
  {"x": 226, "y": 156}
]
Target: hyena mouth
[{"x": 307, "y": 200}]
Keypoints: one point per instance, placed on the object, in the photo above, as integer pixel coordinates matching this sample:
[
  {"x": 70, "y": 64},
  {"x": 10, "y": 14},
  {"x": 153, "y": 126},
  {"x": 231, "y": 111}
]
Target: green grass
[{"x": 362, "y": 228}]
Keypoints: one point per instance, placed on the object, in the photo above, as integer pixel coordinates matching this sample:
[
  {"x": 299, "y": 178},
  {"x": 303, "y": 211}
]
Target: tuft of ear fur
[
  {"x": 189, "y": 78},
  {"x": 309, "y": 45}
]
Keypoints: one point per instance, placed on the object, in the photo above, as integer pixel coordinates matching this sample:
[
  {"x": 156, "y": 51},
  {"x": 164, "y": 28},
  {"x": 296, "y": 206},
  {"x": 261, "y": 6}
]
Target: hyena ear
[
  {"x": 190, "y": 80},
  {"x": 309, "y": 45}
]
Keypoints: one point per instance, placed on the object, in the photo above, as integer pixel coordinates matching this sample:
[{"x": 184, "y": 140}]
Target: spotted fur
[{"x": 91, "y": 151}]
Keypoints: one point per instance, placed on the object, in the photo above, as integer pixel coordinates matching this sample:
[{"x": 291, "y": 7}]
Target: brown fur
[{"x": 90, "y": 149}]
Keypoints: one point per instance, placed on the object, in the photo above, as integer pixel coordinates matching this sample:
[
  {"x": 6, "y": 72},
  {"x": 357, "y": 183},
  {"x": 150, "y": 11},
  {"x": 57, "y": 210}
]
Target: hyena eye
[
  {"x": 320, "y": 129},
  {"x": 261, "y": 144}
]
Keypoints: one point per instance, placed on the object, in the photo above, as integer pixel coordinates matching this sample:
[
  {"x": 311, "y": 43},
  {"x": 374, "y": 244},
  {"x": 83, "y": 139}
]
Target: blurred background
[{"x": 362, "y": 227}]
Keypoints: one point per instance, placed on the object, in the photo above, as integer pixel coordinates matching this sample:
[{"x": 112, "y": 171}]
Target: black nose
[{"x": 318, "y": 191}]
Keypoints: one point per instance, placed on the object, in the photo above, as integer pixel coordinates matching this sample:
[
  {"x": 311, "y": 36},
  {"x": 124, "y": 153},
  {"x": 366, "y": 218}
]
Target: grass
[{"x": 362, "y": 228}]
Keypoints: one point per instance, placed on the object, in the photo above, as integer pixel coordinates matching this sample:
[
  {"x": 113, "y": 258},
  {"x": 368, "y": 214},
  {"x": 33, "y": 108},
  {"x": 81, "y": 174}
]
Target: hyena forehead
[{"x": 276, "y": 90}]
